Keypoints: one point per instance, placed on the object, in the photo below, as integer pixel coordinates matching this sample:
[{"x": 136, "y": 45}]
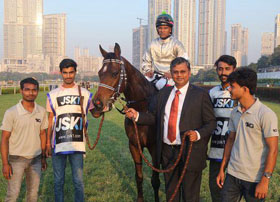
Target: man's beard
[
  {"x": 70, "y": 81},
  {"x": 221, "y": 76}
]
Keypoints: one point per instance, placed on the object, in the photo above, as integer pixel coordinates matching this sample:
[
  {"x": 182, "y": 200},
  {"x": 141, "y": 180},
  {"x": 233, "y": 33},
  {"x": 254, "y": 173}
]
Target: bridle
[{"x": 123, "y": 77}]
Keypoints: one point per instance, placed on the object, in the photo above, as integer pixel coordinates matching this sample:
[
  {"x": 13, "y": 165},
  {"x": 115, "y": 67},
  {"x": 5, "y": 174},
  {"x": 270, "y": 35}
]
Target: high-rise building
[
  {"x": 139, "y": 44},
  {"x": 185, "y": 25},
  {"x": 86, "y": 52},
  {"x": 23, "y": 51},
  {"x": 239, "y": 44},
  {"x": 77, "y": 53},
  {"x": 22, "y": 28},
  {"x": 155, "y": 8},
  {"x": 87, "y": 65},
  {"x": 54, "y": 38},
  {"x": 267, "y": 43},
  {"x": 211, "y": 31},
  {"x": 245, "y": 36},
  {"x": 225, "y": 43},
  {"x": 277, "y": 31}
]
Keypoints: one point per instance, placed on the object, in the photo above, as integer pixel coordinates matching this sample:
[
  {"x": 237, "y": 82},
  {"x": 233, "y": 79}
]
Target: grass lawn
[{"x": 109, "y": 169}]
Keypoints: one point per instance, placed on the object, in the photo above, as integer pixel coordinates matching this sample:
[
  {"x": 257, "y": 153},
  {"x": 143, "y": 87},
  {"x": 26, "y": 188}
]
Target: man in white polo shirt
[
  {"x": 23, "y": 143},
  {"x": 252, "y": 146}
]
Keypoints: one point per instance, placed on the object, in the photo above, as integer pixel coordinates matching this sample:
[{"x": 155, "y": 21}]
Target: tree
[
  {"x": 275, "y": 57},
  {"x": 205, "y": 75},
  {"x": 263, "y": 62},
  {"x": 253, "y": 66}
]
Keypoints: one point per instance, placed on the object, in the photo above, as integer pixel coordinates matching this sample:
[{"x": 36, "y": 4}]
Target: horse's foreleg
[
  {"x": 155, "y": 176},
  {"x": 138, "y": 171}
]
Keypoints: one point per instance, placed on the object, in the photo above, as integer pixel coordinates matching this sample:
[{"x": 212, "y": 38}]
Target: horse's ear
[
  {"x": 117, "y": 50},
  {"x": 103, "y": 52}
]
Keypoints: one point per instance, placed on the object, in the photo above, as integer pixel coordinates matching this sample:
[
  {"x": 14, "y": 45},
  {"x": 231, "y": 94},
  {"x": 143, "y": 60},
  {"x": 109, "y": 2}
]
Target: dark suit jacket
[{"x": 197, "y": 114}]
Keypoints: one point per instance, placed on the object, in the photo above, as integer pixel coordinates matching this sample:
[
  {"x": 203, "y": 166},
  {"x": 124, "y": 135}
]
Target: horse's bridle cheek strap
[{"x": 123, "y": 77}]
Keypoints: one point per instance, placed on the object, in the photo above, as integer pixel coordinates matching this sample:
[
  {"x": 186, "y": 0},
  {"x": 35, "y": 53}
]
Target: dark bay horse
[{"x": 117, "y": 76}]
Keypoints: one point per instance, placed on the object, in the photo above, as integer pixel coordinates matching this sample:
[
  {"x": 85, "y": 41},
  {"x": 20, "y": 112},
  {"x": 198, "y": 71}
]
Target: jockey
[{"x": 162, "y": 50}]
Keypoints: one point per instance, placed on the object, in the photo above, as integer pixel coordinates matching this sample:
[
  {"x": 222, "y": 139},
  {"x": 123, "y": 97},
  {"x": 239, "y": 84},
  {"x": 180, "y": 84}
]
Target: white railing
[{"x": 269, "y": 75}]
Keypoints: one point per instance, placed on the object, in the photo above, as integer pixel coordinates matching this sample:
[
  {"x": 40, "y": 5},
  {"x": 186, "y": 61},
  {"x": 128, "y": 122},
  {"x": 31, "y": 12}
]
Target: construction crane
[{"x": 140, "y": 20}]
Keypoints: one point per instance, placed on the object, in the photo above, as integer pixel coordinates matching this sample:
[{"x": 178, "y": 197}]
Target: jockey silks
[
  {"x": 68, "y": 135},
  {"x": 223, "y": 105}
]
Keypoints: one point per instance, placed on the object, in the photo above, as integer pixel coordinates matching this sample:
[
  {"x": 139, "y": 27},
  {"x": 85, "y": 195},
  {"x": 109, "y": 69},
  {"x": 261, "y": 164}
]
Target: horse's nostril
[{"x": 98, "y": 104}]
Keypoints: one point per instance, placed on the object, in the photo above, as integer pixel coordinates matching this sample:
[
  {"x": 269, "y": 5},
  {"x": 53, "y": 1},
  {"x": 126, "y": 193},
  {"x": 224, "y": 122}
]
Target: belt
[{"x": 173, "y": 146}]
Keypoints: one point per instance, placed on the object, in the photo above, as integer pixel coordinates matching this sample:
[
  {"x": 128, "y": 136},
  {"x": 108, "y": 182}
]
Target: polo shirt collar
[
  {"x": 254, "y": 108},
  {"x": 23, "y": 111}
]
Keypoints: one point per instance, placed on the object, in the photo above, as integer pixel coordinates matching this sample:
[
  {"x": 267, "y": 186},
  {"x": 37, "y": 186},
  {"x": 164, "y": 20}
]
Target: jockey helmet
[{"x": 164, "y": 19}]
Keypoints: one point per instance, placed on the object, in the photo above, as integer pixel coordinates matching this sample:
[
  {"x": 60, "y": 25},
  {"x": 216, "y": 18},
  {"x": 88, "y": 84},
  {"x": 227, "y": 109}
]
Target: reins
[
  {"x": 84, "y": 123},
  {"x": 128, "y": 102},
  {"x": 173, "y": 166}
]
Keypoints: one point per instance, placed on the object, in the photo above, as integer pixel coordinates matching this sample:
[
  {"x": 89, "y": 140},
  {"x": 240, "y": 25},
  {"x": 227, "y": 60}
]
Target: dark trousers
[
  {"x": 235, "y": 188},
  {"x": 214, "y": 168},
  {"x": 190, "y": 187}
]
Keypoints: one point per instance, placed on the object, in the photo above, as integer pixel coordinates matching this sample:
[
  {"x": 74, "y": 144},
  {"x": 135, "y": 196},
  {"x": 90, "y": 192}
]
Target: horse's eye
[{"x": 115, "y": 74}]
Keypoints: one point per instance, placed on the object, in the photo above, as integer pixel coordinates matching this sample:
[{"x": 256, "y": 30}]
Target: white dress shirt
[{"x": 182, "y": 96}]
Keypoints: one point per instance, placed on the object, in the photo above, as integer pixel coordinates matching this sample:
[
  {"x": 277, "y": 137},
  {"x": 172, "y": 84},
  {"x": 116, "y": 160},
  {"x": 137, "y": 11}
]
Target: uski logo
[
  {"x": 68, "y": 100},
  {"x": 69, "y": 123},
  {"x": 223, "y": 103},
  {"x": 222, "y": 127}
]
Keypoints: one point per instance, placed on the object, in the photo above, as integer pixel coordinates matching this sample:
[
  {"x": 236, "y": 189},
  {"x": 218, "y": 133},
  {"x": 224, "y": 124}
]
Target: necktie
[{"x": 172, "y": 122}]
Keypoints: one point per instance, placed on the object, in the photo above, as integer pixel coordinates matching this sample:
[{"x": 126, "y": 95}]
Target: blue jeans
[
  {"x": 235, "y": 188},
  {"x": 59, "y": 165}
]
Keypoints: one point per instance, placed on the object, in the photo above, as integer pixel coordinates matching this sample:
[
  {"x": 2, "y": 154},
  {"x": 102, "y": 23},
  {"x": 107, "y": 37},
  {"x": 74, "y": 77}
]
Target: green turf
[{"x": 109, "y": 169}]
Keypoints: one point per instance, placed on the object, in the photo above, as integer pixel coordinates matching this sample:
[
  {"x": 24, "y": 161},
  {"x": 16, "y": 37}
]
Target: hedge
[
  {"x": 269, "y": 93},
  {"x": 10, "y": 90}
]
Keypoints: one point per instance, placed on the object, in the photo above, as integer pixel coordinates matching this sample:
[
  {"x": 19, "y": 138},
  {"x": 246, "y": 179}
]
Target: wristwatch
[{"x": 267, "y": 175}]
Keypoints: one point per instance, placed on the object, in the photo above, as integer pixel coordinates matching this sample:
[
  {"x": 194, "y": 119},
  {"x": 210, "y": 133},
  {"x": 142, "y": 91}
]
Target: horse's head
[{"x": 112, "y": 78}]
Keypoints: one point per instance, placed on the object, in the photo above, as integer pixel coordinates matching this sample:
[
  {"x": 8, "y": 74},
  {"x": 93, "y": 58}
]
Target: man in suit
[{"x": 179, "y": 109}]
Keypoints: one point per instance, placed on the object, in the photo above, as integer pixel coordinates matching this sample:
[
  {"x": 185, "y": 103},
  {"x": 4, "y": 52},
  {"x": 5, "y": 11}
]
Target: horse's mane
[{"x": 138, "y": 77}]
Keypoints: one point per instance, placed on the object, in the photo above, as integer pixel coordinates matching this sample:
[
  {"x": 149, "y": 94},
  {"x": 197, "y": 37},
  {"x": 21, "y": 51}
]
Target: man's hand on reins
[
  {"x": 131, "y": 113},
  {"x": 192, "y": 135}
]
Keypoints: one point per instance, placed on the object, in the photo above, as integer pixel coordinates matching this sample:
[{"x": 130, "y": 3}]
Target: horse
[{"x": 118, "y": 76}]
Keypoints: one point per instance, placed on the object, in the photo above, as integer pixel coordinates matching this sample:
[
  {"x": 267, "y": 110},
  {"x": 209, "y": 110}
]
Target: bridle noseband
[{"x": 123, "y": 77}]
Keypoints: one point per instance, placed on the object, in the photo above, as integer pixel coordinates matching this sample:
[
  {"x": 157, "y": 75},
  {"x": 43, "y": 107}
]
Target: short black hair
[
  {"x": 29, "y": 80},
  {"x": 180, "y": 60},
  {"x": 226, "y": 59},
  {"x": 244, "y": 76},
  {"x": 66, "y": 63}
]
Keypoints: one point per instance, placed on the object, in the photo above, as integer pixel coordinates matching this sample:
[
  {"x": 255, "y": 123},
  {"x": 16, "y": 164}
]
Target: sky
[{"x": 104, "y": 22}]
